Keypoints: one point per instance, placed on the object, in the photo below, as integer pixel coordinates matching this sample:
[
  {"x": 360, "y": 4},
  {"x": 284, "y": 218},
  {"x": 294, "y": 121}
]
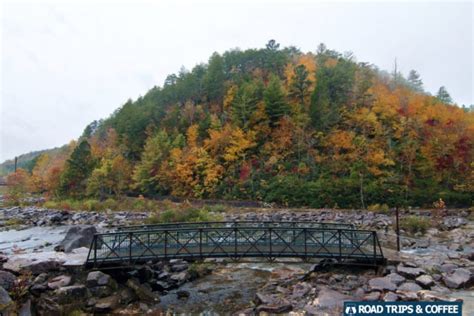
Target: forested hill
[{"x": 276, "y": 124}]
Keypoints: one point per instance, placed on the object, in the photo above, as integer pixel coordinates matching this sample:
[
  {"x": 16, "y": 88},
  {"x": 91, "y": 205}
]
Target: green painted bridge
[{"x": 131, "y": 245}]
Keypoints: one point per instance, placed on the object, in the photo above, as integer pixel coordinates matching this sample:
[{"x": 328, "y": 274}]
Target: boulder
[
  {"x": 25, "y": 309},
  {"x": 180, "y": 277},
  {"x": 425, "y": 281},
  {"x": 459, "y": 278},
  {"x": 71, "y": 294},
  {"x": 390, "y": 297},
  {"x": 98, "y": 278},
  {"x": 76, "y": 237},
  {"x": 329, "y": 299},
  {"x": 5, "y": 299},
  {"x": 372, "y": 296},
  {"x": 59, "y": 281},
  {"x": 143, "y": 291},
  {"x": 7, "y": 280},
  {"x": 410, "y": 273},
  {"x": 396, "y": 278},
  {"x": 382, "y": 284},
  {"x": 107, "y": 304},
  {"x": 182, "y": 294},
  {"x": 410, "y": 287}
]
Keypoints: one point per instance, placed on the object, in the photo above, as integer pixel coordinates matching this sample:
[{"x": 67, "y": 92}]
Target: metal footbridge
[{"x": 131, "y": 245}]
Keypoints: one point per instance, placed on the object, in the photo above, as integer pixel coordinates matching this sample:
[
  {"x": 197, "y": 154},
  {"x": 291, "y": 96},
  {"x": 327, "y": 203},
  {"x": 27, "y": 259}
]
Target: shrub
[{"x": 415, "y": 224}]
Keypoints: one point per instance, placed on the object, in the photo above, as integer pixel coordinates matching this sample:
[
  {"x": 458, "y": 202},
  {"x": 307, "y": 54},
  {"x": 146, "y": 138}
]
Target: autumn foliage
[{"x": 305, "y": 129}]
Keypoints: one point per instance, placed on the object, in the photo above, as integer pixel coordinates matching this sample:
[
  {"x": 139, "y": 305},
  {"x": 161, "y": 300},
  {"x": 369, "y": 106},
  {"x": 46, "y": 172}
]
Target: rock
[
  {"x": 410, "y": 273},
  {"x": 448, "y": 267},
  {"x": 145, "y": 273},
  {"x": 76, "y": 237},
  {"x": 329, "y": 299},
  {"x": 459, "y": 278},
  {"x": 275, "y": 308},
  {"x": 382, "y": 284},
  {"x": 127, "y": 296},
  {"x": 182, "y": 294},
  {"x": 59, "y": 281},
  {"x": 71, "y": 294},
  {"x": 102, "y": 291},
  {"x": 425, "y": 281},
  {"x": 179, "y": 267},
  {"x": 47, "y": 306},
  {"x": 25, "y": 309},
  {"x": 37, "y": 289},
  {"x": 409, "y": 286},
  {"x": 372, "y": 296},
  {"x": 5, "y": 299},
  {"x": 162, "y": 286},
  {"x": 451, "y": 222},
  {"x": 407, "y": 295},
  {"x": 180, "y": 277},
  {"x": 395, "y": 278},
  {"x": 7, "y": 280},
  {"x": 107, "y": 304},
  {"x": 143, "y": 291},
  {"x": 390, "y": 297},
  {"x": 98, "y": 278}
]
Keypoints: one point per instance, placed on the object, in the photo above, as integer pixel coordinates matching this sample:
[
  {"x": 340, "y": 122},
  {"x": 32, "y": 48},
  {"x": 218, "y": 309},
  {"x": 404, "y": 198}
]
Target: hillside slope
[{"x": 276, "y": 124}]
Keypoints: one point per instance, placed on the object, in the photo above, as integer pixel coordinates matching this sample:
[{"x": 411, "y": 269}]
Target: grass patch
[
  {"x": 379, "y": 208},
  {"x": 415, "y": 224},
  {"x": 14, "y": 222},
  {"x": 184, "y": 215}
]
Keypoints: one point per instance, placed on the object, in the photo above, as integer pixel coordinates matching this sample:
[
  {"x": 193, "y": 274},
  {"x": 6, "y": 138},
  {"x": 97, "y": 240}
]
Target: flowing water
[{"x": 30, "y": 239}]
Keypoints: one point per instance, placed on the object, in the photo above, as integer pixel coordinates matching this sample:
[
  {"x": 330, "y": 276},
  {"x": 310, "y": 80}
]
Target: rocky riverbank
[{"x": 433, "y": 266}]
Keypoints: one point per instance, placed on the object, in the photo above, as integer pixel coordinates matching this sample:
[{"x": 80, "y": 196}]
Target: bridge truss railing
[{"x": 130, "y": 247}]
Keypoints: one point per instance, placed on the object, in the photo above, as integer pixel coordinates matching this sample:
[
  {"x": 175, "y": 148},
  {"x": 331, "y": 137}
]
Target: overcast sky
[{"x": 65, "y": 65}]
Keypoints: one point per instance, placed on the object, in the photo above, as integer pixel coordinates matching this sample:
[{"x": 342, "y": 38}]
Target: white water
[{"x": 44, "y": 238}]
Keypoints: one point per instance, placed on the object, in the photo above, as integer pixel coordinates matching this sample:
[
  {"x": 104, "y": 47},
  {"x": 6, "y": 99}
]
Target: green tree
[
  {"x": 333, "y": 90},
  {"x": 299, "y": 88},
  {"x": 443, "y": 96},
  {"x": 244, "y": 104},
  {"x": 214, "y": 79},
  {"x": 77, "y": 170},
  {"x": 414, "y": 81},
  {"x": 275, "y": 103}
]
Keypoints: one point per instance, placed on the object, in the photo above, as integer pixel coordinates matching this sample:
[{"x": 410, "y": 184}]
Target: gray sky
[{"x": 65, "y": 65}]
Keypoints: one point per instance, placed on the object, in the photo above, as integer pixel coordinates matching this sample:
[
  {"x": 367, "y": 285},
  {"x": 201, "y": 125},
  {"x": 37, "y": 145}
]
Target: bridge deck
[{"x": 234, "y": 240}]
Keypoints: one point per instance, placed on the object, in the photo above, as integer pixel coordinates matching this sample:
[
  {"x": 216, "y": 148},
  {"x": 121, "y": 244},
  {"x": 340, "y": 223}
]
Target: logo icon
[{"x": 350, "y": 310}]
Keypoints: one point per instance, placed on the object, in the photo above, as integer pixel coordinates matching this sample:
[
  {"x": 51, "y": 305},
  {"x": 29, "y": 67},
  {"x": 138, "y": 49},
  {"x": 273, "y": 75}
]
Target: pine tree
[
  {"x": 443, "y": 96},
  {"x": 244, "y": 104},
  {"x": 414, "y": 81},
  {"x": 274, "y": 98}
]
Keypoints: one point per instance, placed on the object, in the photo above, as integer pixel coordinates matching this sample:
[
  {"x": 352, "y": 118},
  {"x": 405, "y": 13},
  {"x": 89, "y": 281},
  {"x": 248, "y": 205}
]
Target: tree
[
  {"x": 414, "y": 81},
  {"x": 244, "y": 104},
  {"x": 77, "y": 170},
  {"x": 300, "y": 86},
  {"x": 275, "y": 103},
  {"x": 443, "y": 96},
  {"x": 147, "y": 174},
  {"x": 17, "y": 185},
  {"x": 335, "y": 80},
  {"x": 214, "y": 79}
]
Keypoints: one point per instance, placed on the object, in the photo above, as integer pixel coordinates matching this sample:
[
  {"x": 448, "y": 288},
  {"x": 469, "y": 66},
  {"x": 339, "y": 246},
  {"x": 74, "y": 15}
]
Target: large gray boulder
[
  {"x": 5, "y": 299},
  {"x": 76, "y": 237},
  {"x": 7, "y": 280},
  {"x": 382, "y": 284},
  {"x": 459, "y": 278}
]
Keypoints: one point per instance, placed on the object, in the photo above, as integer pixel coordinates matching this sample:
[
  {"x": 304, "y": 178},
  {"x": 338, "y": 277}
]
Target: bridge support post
[
  {"x": 339, "y": 237},
  {"x": 200, "y": 242},
  {"x": 130, "y": 248}
]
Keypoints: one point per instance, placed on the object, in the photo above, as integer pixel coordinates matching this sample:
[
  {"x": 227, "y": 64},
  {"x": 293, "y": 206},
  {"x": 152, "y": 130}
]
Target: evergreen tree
[
  {"x": 274, "y": 98},
  {"x": 443, "y": 96},
  {"x": 78, "y": 168},
  {"x": 299, "y": 88},
  {"x": 244, "y": 104},
  {"x": 215, "y": 77},
  {"x": 414, "y": 81}
]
